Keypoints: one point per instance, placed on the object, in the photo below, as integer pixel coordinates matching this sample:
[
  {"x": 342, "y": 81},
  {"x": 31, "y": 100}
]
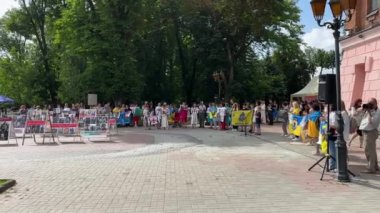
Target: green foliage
[
  {"x": 159, "y": 50},
  {"x": 318, "y": 58}
]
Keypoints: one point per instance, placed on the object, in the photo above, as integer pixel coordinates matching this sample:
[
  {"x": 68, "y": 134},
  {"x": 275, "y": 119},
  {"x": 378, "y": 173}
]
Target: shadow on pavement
[
  {"x": 9, "y": 145},
  {"x": 68, "y": 142}
]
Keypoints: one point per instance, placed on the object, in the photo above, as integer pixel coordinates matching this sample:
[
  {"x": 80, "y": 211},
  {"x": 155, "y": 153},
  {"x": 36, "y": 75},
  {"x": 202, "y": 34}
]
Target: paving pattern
[{"x": 180, "y": 170}]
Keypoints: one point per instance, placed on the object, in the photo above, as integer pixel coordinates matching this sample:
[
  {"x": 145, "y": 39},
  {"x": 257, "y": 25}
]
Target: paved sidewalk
[{"x": 179, "y": 170}]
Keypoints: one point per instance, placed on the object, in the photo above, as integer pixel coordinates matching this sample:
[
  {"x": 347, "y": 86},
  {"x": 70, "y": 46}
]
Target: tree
[
  {"x": 100, "y": 53},
  {"x": 319, "y": 58},
  {"x": 37, "y": 12},
  {"x": 156, "y": 50},
  {"x": 16, "y": 62}
]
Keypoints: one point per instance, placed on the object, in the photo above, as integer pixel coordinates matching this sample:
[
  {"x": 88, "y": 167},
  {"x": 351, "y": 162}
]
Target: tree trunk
[
  {"x": 229, "y": 80},
  {"x": 181, "y": 58},
  {"x": 190, "y": 84},
  {"x": 38, "y": 24}
]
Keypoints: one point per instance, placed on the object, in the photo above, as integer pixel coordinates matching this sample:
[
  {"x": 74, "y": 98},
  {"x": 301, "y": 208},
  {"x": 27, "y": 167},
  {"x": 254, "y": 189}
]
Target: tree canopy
[{"x": 160, "y": 50}]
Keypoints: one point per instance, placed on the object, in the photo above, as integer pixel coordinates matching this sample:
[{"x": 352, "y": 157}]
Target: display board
[
  {"x": 92, "y": 99},
  {"x": 6, "y": 129}
]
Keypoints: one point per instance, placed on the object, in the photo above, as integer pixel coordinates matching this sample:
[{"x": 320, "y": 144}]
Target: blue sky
[
  {"x": 307, "y": 18},
  {"x": 314, "y": 36}
]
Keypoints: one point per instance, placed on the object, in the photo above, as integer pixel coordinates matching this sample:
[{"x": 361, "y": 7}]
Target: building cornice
[{"x": 360, "y": 37}]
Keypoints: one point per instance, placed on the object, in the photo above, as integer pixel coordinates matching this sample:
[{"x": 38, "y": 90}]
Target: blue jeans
[{"x": 332, "y": 152}]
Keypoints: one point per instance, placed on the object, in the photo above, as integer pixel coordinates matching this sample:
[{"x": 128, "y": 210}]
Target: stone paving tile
[{"x": 184, "y": 171}]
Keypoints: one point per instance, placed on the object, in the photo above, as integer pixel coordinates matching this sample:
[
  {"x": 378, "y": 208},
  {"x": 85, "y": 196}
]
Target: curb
[{"x": 7, "y": 185}]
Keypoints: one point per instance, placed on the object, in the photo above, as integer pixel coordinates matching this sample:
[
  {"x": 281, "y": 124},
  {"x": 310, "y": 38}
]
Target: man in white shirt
[{"x": 369, "y": 125}]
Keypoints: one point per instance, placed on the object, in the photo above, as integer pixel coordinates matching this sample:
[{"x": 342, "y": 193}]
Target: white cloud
[
  {"x": 320, "y": 37},
  {"x": 7, "y": 5}
]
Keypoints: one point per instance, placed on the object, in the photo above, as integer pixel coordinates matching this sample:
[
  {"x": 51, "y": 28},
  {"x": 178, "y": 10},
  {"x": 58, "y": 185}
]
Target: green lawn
[{"x": 2, "y": 182}]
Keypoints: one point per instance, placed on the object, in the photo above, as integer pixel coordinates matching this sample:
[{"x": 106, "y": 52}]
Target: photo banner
[
  {"x": 242, "y": 117},
  {"x": 6, "y": 129}
]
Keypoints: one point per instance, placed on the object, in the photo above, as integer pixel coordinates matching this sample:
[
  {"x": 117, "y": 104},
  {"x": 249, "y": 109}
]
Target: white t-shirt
[
  {"x": 158, "y": 111},
  {"x": 346, "y": 121},
  {"x": 222, "y": 111},
  {"x": 370, "y": 121}
]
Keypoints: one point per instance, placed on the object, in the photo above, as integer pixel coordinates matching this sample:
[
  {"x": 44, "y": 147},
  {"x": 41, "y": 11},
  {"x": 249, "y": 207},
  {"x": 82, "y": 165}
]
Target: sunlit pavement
[{"x": 180, "y": 170}]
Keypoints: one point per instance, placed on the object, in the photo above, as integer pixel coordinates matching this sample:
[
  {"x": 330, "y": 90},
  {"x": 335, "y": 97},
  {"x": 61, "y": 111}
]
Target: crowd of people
[
  {"x": 305, "y": 122},
  {"x": 216, "y": 116},
  {"x": 361, "y": 120}
]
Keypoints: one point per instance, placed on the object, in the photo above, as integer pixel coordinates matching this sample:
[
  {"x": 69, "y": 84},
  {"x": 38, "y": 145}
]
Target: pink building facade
[{"x": 360, "y": 65}]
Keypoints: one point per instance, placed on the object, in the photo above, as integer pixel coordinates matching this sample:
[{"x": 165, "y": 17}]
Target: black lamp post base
[{"x": 344, "y": 179}]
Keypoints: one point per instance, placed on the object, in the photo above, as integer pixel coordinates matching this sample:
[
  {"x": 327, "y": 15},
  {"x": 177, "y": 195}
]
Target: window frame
[{"x": 371, "y": 7}]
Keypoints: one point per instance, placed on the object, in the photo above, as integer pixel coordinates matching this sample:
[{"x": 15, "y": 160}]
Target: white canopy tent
[{"x": 310, "y": 90}]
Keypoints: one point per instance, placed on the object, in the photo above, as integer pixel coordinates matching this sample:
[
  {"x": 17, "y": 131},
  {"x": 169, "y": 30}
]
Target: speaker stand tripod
[
  {"x": 327, "y": 156},
  {"x": 325, "y": 167}
]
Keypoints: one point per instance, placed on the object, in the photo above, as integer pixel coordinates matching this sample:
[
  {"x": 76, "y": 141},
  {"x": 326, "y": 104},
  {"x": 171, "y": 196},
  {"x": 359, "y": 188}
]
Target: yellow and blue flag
[
  {"x": 297, "y": 124},
  {"x": 242, "y": 117},
  {"x": 313, "y": 124}
]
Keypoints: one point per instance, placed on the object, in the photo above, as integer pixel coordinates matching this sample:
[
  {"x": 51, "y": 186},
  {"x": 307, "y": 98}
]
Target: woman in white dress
[
  {"x": 164, "y": 117},
  {"x": 194, "y": 115}
]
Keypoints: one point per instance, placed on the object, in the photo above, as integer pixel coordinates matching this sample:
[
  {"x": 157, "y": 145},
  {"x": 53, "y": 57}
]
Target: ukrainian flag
[
  {"x": 297, "y": 124},
  {"x": 312, "y": 124},
  {"x": 323, "y": 137}
]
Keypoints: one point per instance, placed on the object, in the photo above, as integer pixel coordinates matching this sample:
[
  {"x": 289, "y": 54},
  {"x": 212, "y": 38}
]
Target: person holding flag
[
  {"x": 313, "y": 123},
  {"x": 294, "y": 111}
]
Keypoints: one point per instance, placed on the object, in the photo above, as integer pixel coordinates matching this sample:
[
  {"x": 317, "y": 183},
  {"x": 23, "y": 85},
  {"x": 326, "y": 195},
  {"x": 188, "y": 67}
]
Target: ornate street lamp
[
  {"x": 218, "y": 77},
  {"x": 342, "y": 11}
]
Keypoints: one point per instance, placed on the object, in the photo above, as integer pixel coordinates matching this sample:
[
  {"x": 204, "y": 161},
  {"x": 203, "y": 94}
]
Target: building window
[{"x": 373, "y": 5}]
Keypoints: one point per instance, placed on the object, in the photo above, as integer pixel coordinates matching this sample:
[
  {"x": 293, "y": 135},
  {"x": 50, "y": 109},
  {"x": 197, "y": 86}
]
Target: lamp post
[
  {"x": 218, "y": 77},
  {"x": 342, "y": 11}
]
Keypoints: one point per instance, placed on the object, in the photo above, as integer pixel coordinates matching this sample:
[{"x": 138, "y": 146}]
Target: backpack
[{"x": 353, "y": 125}]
